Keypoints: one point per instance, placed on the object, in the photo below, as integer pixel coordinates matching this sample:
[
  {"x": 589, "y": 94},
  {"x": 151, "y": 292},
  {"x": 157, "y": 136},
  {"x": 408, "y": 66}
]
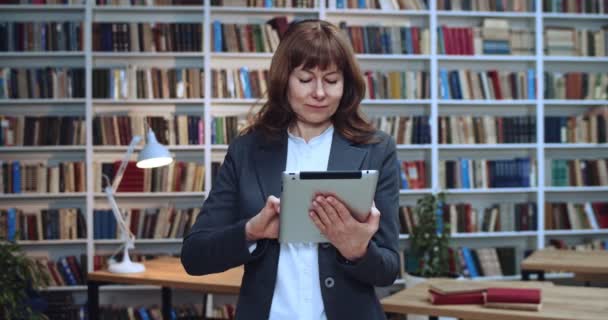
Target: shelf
[
  {"x": 170, "y": 147},
  {"x": 51, "y": 242},
  {"x": 415, "y": 191},
  {"x": 376, "y": 12},
  {"x": 498, "y": 234},
  {"x": 480, "y": 146},
  {"x": 42, "y": 54},
  {"x": 391, "y": 57},
  {"x": 507, "y": 58},
  {"x": 414, "y": 147},
  {"x": 65, "y": 288},
  {"x": 262, "y": 10},
  {"x": 15, "y": 196},
  {"x": 556, "y": 102},
  {"x": 575, "y": 59},
  {"x": 404, "y": 236},
  {"x": 575, "y": 145},
  {"x": 480, "y": 14},
  {"x": 151, "y": 9},
  {"x": 139, "y": 241},
  {"x": 157, "y": 55},
  {"x": 42, "y": 148},
  {"x": 575, "y": 16},
  {"x": 153, "y": 195},
  {"x": 576, "y": 189},
  {"x": 486, "y": 102},
  {"x": 497, "y": 278},
  {"x": 389, "y": 102},
  {"x": 149, "y": 14},
  {"x": 241, "y": 55},
  {"x": 41, "y": 101},
  {"x": 147, "y": 101},
  {"x": 575, "y": 232},
  {"x": 491, "y": 190},
  {"x": 44, "y": 8}
]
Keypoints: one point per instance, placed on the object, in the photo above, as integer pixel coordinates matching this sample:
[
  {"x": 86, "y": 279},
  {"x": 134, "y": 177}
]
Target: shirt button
[
  {"x": 329, "y": 282},
  {"x": 325, "y": 245}
]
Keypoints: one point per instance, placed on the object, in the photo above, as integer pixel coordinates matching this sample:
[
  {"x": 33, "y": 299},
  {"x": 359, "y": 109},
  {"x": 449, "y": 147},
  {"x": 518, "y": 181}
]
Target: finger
[
  {"x": 274, "y": 203},
  {"x": 320, "y": 211},
  {"x": 341, "y": 209},
  {"x": 374, "y": 217},
  {"x": 315, "y": 219},
  {"x": 329, "y": 210}
]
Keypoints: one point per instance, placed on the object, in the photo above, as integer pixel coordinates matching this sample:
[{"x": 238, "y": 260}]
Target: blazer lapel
[
  {"x": 344, "y": 156},
  {"x": 270, "y": 161}
]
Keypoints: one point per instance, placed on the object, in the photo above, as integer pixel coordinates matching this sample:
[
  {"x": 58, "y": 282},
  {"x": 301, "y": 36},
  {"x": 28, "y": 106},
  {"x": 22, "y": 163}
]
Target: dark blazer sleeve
[
  {"x": 217, "y": 240},
  {"x": 380, "y": 265}
]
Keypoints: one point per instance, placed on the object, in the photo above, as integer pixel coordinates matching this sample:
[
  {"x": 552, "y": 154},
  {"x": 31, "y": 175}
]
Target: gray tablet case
[{"x": 355, "y": 188}]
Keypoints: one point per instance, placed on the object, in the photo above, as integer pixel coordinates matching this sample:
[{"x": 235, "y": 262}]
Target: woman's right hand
[{"x": 265, "y": 225}]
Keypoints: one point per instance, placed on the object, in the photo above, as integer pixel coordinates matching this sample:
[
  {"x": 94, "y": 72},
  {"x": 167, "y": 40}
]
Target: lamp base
[{"x": 126, "y": 267}]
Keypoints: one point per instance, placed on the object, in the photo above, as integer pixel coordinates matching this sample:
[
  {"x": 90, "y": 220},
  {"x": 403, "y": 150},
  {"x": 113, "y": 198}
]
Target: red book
[
  {"x": 513, "y": 295},
  {"x": 461, "y": 298}
]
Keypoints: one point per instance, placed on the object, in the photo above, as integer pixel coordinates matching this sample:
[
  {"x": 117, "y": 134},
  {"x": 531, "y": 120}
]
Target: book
[
  {"x": 457, "y": 287},
  {"x": 514, "y": 306},
  {"x": 461, "y": 298},
  {"x": 513, "y": 295}
]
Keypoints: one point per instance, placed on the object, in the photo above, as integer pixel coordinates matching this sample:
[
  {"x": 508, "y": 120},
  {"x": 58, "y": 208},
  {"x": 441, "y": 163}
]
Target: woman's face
[{"x": 314, "y": 94}]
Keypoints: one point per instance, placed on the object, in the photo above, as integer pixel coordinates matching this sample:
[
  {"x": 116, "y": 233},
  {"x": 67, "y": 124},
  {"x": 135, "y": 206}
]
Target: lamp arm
[
  {"x": 120, "y": 220},
  {"x": 123, "y": 165}
]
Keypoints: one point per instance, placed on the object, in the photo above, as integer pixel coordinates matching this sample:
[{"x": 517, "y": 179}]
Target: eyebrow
[{"x": 327, "y": 74}]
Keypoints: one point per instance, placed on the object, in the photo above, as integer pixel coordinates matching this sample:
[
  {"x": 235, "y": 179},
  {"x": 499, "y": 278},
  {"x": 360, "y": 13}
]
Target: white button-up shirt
[{"x": 297, "y": 292}]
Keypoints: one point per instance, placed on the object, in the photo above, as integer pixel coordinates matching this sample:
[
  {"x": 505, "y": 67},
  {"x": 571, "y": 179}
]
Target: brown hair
[{"x": 310, "y": 44}]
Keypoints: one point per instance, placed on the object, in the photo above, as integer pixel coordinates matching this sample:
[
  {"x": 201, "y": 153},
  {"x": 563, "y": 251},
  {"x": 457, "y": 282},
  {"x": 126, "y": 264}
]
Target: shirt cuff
[{"x": 252, "y": 246}]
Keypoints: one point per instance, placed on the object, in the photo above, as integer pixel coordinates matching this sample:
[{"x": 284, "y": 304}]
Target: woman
[{"x": 311, "y": 122}]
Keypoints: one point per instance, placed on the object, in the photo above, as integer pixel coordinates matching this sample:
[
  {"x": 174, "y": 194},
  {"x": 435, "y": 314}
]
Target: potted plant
[
  {"x": 428, "y": 254},
  {"x": 20, "y": 275}
]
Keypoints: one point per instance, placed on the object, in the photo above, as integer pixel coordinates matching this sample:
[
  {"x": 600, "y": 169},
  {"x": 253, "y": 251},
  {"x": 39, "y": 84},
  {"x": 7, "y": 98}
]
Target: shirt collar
[{"x": 328, "y": 133}]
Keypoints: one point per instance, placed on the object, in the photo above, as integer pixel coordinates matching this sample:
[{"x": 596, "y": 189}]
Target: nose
[{"x": 319, "y": 90}]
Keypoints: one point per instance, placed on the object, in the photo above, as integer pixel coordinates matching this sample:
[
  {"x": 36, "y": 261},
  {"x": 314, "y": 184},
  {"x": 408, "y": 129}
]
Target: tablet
[{"x": 356, "y": 189}]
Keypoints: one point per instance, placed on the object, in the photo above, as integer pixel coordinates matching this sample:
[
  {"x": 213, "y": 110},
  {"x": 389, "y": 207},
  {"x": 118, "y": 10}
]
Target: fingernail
[{"x": 314, "y": 203}]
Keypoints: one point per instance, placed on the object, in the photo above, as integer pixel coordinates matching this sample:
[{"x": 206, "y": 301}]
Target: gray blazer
[{"x": 250, "y": 173}]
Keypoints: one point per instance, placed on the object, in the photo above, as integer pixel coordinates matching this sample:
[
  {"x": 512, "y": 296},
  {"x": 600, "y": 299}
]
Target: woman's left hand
[{"x": 348, "y": 235}]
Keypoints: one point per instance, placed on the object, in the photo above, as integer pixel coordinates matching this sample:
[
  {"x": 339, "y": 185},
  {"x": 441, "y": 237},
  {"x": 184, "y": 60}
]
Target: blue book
[
  {"x": 464, "y": 171},
  {"x": 444, "y": 88},
  {"x": 244, "y": 74},
  {"x": 143, "y": 313},
  {"x": 217, "y": 36},
  {"x": 96, "y": 225},
  {"x": 268, "y": 3},
  {"x": 455, "y": 85},
  {"x": 339, "y": 4},
  {"x": 439, "y": 218},
  {"x": 409, "y": 42},
  {"x": 531, "y": 84},
  {"x": 404, "y": 184},
  {"x": 468, "y": 259},
  {"x": 12, "y": 224},
  {"x": 16, "y": 177},
  {"x": 65, "y": 266},
  {"x": 213, "y": 136},
  {"x": 440, "y": 41},
  {"x": 361, "y": 4}
]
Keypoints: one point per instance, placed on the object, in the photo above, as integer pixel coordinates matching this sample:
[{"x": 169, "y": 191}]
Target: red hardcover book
[
  {"x": 513, "y": 295},
  {"x": 461, "y": 298}
]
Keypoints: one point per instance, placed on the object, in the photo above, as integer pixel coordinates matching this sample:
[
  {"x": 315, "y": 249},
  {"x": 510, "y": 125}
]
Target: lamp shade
[{"x": 153, "y": 154}]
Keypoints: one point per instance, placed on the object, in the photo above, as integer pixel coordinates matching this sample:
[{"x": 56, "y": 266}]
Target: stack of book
[{"x": 467, "y": 292}]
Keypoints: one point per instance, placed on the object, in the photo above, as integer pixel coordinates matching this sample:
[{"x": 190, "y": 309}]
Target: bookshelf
[{"x": 208, "y": 106}]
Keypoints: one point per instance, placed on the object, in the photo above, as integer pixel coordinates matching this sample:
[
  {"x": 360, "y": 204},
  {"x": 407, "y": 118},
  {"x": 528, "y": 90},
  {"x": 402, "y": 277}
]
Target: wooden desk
[
  {"x": 586, "y": 265},
  {"x": 168, "y": 273},
  {"x": 559, "y": 303}
]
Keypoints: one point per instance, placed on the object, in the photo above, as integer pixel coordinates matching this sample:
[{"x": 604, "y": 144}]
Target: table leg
[
  {"x": 525, "y": 275},
  {"x": 166, "y": 303},
  {"x": 93, "y": 300},
  {"x": 204, "y": 306},
  {"x": 433, "y": 318},
  {"x": 541, "y": 275}
]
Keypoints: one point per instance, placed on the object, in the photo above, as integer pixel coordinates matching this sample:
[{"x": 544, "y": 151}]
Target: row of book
[
  {"x": 148, "y": 223},
  {"x": 42, "y": 83},
  {"x": 154, "y": 312},
  {"x": 303, "y": 4},
  {"x": 465, "y": 218},
  {"x": 41, "y": 36},
  {"x": 233, "y": 37},
  {"x": 488, "y": 84},
  {"x": 486, "y": 129},
  {"x": 487, "y": 5},
  {"x": 171, "y": 130},
  {"x": 225, "y": 129},
  {"x": 42, "y": 130},
  {"x": 38, "y": 176},
  {"x": 413, "y": 174},
  {"x": 179, "y": 176},
  {"x": 495, "y": 37},
  {"x": 579, "y": 172},
  {"x": 397, "y": 85},
  {"x": 481, "y": 173},
  {"x": 64, "y": 271},
  {"x": 587, "y": 128},
  {"x": 564, "y": 41},
  {"x": 239, "y": 83},
  {"x": 148, "y": 83},
  {"x": 42, "y": 2},
  {"x": 149, "y": 3},
  {"x": 148, "y": 37},
  {"x": 42, "y": 224},
  {"x": 383, "y": 5},
  {"x": 588, "y": 244},
  {"x": 405, "y": 129},
  {"x": 387, "y": 39},
  {"x": 579, "y": 6},
  {"x": 576, "y": 85},
  {"x": 576, "y": 216}
]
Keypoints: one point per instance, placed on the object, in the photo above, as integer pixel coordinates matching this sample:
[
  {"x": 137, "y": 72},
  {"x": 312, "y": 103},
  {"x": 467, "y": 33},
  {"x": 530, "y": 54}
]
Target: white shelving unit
[{"x": 208, "y": 106}]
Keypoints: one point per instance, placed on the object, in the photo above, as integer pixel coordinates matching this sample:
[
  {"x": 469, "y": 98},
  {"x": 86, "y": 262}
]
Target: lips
[{"x": 315, "y": 106}]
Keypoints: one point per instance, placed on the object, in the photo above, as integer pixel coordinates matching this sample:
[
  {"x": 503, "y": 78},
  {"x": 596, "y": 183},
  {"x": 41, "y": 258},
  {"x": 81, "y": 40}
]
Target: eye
[
  {"x": 305, "y": 80},
  {"x": 331, "y": 81}
]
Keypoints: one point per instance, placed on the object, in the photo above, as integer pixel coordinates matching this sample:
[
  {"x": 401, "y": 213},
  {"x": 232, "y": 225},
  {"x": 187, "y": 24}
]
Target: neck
[{"x": 308, "y": 131}]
